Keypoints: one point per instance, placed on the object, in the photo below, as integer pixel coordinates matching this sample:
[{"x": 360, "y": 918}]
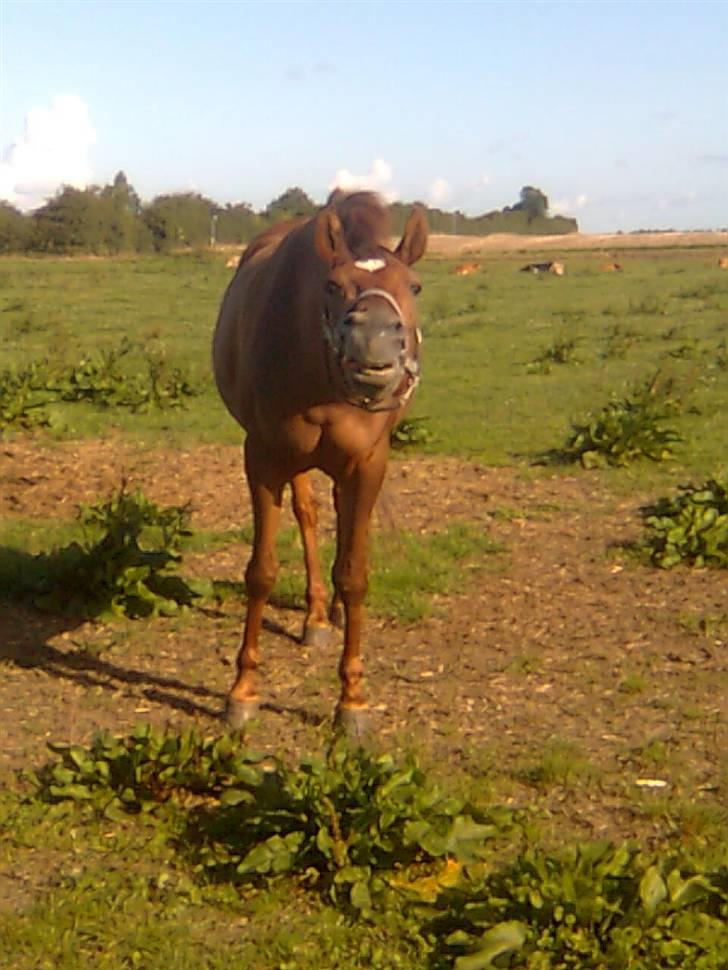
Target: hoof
[
  {"x": 317, "y": 635},
  {"x": 354, "y": 722},
  {"x": 239, "y": 713}
]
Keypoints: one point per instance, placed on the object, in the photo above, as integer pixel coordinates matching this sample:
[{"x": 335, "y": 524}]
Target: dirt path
[
  {"x": 559, "y": 639},
  {"x": 452, "y": 246}
]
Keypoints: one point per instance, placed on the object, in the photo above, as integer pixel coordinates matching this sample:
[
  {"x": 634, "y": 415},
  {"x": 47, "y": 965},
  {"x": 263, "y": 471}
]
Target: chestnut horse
[{"x": 316, "y": 355}]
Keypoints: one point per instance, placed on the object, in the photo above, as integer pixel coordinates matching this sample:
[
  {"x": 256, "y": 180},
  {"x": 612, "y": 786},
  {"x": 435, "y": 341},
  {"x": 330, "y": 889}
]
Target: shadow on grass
[
  {"x": 26, "y": 632},
  {"x": 553, "y": 458}
]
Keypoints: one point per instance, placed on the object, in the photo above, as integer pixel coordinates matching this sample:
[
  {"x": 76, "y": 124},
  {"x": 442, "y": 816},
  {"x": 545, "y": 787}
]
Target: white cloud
[
  {"x": 52, "y": 151},
  {"x": 378, "y": 180},
  {"x": 567, "y": 207},
  {"x": 440, "y": 192},
  {"x": 678, "y": 201}
]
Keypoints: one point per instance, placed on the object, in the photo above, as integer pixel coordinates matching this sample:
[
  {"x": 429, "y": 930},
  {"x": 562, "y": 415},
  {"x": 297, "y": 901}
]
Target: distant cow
[
  {"x": 611, "y": 267},
  {"x": 723, "y": 262},
  {"x": 465, "y": 269},
  {"x": 537, "y": 268}
]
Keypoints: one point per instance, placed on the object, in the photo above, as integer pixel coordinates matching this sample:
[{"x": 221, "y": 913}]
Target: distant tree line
[
  {"x": 529, "y": 216},
  {"x": 112, "y": 219}
]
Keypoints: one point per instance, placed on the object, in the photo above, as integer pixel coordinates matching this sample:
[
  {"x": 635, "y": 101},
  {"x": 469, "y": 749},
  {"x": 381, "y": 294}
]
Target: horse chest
[{"x": 325, "y": 437}]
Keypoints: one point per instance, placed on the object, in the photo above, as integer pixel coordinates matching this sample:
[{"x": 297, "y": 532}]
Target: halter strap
[
  {"x": 411, "y": 365},
  {"x": 374, "y": 291}
]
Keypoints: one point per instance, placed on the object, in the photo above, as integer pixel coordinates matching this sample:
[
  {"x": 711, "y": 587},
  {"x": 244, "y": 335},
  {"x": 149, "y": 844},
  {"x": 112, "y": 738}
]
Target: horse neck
[{"x": 294, "y": 328}]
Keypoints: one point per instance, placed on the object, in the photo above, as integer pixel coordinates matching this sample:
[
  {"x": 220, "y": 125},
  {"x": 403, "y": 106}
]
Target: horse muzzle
[{"x": 371, "y": 342}]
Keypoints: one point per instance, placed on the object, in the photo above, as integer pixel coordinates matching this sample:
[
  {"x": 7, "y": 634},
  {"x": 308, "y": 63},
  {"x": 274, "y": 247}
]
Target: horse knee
[
  {"x": 351, "y": 589},
  {"x": 260, "y": 577}
]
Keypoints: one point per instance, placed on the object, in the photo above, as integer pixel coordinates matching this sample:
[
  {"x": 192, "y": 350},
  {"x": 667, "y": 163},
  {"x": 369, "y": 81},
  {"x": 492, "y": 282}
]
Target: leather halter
[{"x": 410, "y": 365}]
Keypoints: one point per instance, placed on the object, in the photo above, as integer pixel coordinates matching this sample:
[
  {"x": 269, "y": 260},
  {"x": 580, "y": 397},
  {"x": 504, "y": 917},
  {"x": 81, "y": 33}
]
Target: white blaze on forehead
[{"x": 370, "y": 265}]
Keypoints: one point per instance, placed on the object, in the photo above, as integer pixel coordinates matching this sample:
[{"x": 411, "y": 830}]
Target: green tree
[
  {"x": 93, "y": 220},
  {"x": 72, "y": 221},
  {"x": 533, "y": 202},
  {"x": 238, "y": 223},
  {"x": 292, "y": 204},
  {"x": 14, "y": 229},
  {"x": 127, "y": 230},
  {"x": 183, "y": 219},
  {"x": 123, "y": 194}
]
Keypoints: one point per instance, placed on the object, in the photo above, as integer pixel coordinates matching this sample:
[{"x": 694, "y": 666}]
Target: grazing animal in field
[
  {"x": 723, "y": 262},
  {"x": 537, "y": 268},
  {"x": 611, "y": 268},
  {"x": 465, "y": 269},
  {"x": 316, "y": 355}
]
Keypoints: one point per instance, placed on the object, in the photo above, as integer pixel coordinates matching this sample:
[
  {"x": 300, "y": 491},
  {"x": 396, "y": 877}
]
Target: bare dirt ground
[
  {"x": 560, "y": 637},
  {"x": 453, "y": 246}
]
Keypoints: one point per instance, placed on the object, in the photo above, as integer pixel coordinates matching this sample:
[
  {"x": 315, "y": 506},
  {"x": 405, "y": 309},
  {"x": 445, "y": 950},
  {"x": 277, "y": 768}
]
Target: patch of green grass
[
  {"x": 539, "y": 511},
  {"x": 119, "y": 378},
  {"x": 35, "y": 536},
  {"x": 477, "y": 397},
  {"x": 633, "y": 683},
  {"x": 524, "y": 663},
  {"x": 131, "y": 911},
  {"x": 710, "y": 625},
  {"x": 654, "y": 753},
  {"x": 619, "y": 339},
  {"x": 474, "y": 387},
  {"x": 648, "y": 306},
  {"x": 82, "y": 308},
  {"x": 561, "y": 351},
  {"x": 700, "y": 824},
  {"x": 84, "y": 885},
  {"x": 407, "y": 571},
  {"x": 561, "y": 762}
]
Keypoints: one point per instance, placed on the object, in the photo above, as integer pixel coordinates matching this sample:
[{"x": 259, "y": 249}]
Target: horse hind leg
[
  {"x": 316, "y": 627},
  {"x": 266, "y": 494}
]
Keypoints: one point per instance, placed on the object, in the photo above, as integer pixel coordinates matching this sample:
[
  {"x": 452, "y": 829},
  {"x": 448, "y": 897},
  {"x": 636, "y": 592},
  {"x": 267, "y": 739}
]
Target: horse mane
[{"x": 364, "y": 218}]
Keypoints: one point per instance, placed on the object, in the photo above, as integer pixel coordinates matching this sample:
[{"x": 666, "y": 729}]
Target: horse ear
[
  {"x": 329, "y": 238},
  {"x": 414, "y": 239}
]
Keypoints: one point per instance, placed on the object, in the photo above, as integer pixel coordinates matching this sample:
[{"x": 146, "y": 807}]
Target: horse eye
[
  {"x": 333, "y": 289},
  {"x": 416, "y": 288}
]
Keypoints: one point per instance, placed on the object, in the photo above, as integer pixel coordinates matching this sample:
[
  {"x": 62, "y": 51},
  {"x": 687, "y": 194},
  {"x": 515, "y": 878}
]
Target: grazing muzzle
[{"x": 376, "y": 354}]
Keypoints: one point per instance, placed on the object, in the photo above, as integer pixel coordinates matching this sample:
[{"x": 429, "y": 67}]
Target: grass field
[
  {"x": 488, "y": 393},
  {"x": 511, "y": 362}
]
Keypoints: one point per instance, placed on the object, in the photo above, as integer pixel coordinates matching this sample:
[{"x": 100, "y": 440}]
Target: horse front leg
[
  {"x": 266, "y": 490},
  {"x": 316, "y": 627},
  {"x": 356, "y": 493}
]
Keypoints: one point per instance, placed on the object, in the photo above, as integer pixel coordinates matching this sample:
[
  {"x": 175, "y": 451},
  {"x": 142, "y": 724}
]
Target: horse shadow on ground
[{"x": 25, "y": 635}]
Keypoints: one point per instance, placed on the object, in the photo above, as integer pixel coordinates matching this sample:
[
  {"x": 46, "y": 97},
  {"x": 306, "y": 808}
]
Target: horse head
[{"x": 368, "y": 311}]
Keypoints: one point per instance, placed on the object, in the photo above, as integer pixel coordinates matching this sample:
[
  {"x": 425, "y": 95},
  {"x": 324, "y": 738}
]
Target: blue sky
[{"x": 617, "y": 111}]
